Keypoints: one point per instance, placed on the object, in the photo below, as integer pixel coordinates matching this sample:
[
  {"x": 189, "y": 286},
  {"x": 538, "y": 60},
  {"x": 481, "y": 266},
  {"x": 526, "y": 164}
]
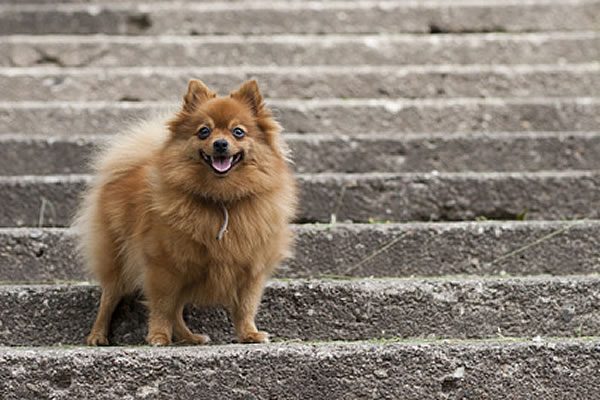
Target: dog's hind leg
[
  {"x": 184, "y": 334},
  {"x": 111, "y": 296},
  {"x": 108, "y": 270}
]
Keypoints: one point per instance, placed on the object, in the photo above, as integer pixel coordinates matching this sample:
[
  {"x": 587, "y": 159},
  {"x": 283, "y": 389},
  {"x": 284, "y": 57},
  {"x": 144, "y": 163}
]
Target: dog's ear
[
  {"x": 197, "y": 94},
  {"x": 250, "y": 94}
]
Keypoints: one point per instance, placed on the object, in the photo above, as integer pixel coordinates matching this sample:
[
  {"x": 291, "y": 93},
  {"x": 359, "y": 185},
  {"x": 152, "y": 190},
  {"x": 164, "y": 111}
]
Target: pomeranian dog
[{"x": 194, "y": 209}]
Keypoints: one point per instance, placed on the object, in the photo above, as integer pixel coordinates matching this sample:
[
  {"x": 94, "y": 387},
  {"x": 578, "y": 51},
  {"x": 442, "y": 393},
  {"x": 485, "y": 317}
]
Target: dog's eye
[
  {"x": 238, "y": 132},
  {"x": 204, "y": 132}
]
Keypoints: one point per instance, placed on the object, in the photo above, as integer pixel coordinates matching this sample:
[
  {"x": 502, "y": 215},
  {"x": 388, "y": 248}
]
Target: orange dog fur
[{"x": 150, "y": 219}]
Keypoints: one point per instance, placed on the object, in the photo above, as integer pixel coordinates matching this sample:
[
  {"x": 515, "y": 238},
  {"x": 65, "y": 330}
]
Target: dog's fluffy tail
[
  {"x": 114, "y": 158},
  {"x": 128, "y": 150}
]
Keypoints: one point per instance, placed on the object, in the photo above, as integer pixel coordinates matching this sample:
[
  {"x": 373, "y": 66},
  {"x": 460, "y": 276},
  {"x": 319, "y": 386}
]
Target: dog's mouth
[{"x": 222, "y": 164}]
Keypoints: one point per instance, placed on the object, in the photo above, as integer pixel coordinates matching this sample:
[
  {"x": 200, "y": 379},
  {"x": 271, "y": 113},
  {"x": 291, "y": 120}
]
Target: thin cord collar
[{"x": 225, "y": 222}]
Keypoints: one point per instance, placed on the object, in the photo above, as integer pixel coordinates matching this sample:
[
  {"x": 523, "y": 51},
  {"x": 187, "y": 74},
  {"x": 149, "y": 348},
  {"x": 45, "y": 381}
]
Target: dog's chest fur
[
  {"x": 213, "y": 269},
  {"x": 188, "y": 229}
]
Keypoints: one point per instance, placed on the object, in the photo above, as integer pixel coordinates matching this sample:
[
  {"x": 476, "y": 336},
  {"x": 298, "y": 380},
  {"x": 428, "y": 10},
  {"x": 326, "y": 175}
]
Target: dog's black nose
[{"x": 220, "y": 146}]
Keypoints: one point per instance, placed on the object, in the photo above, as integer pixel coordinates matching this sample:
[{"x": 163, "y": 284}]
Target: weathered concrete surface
[
  {"x": 275, "y": 17},
  {"x": 133, "y": 2},
  {"x": 43, "y": 155},
  {"x": 450, "y": 197},
  {"x": 27, "y": 201},
  {"x": 52, "y": 200},
  {"x": 380, "y": 250},
  {"x": 315, "y": 153},
  {"x": 445, "y": 306},
  {"x": 331, "y": 310},
  {"x": 138, "y": 1},
  {"x": 143, "y": 84},
  {"x": 102, "y": 51},
  {"x": 433, "y": 249},
  {"x": 490, "y": 370},
  {"x": 39, "y": 255},
  {"x": 327, "y": 115}
]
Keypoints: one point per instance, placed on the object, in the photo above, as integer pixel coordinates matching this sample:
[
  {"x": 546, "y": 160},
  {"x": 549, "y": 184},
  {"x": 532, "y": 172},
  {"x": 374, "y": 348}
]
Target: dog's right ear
[{"x": 197, "y": 94}]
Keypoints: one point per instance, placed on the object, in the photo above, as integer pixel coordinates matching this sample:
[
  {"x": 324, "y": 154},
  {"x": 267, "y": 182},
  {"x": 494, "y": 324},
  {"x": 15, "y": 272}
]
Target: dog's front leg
[{"x": 244, "y": 308}]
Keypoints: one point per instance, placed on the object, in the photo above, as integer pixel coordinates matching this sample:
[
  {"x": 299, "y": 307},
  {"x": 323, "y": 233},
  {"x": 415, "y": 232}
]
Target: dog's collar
[{"x": 223, "y": 228}]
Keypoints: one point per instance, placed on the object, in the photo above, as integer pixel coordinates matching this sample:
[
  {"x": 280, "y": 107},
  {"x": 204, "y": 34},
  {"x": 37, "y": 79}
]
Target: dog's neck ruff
[{"x": 223, "y": 228}]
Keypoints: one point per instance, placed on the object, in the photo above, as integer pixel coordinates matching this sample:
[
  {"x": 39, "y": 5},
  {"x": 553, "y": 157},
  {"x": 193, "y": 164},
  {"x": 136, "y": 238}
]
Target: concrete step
[
  {"x": 328, "y": 115},
  {"x": 275, "y": 17},
  {"x": 109, "y": 2},
  {"x": 362, "y": 250},
  {"x": 181, "y": 2},
  {"x": 330, "y": 310},
  {"x": 295, "y": 50},
  {"x": 166, "y": 83},
  {"x": 517, "y": 369},
  {"x": 51, "y": 200},
  {"x": 315, "y": 153}
]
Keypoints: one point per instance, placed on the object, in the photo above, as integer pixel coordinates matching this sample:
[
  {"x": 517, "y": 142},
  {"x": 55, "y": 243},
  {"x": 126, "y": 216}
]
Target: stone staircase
[{"x": 448, "y": 154}]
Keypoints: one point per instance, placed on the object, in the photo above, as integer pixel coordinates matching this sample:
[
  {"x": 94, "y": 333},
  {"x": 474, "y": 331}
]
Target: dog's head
[{"x": 224, "y": 148}]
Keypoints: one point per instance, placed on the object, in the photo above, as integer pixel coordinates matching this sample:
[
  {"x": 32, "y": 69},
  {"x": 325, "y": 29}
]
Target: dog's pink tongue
[{"x": 222, "y": 164}]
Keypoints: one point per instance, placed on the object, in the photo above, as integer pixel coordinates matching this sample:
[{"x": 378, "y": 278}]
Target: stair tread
[
  {"x": 23, "y": 154},
  {"x": 294, "y": 50},
  {"x": 521, "y": 369},
  {"x": 471, "y": 307},
  {"x": 50, "y": 200},
  {"x": 262, "y": 17},
  {"x": 444, "y": 81},
  {"x": 327, "y": 115},
  {"x": 410, "y": 249}
]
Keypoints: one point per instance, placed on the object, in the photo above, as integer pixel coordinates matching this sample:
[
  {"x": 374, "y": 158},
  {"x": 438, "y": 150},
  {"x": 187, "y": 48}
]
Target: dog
[{"x": 192, "y": 209}]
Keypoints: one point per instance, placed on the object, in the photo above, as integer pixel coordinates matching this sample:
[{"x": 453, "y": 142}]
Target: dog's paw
[
  {"x": 96, "y": 339},
  {"x": 195, "y": 339},
  {"x": 255, "y": 337},
  {"x": 158, "y": 339}
]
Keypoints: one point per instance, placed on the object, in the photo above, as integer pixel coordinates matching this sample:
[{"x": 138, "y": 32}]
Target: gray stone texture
[
  {"x": 398, "y": 111},
  {"x": 160, "y": 84},
  {"x": 302, "y": 17},
  {"x": 488, "y": 370},
  {"x": 357, "y": 250},
  {"x": 330, "y": 310},
  {"x": 315, "y": 153},
  {"x": 298, "y": 50},
  {"x": 350, "y": 116},
  {"x": 376, "y": 197}
]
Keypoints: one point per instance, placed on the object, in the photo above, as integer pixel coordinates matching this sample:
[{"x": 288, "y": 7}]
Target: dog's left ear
[{"x": 250, "y": 94}]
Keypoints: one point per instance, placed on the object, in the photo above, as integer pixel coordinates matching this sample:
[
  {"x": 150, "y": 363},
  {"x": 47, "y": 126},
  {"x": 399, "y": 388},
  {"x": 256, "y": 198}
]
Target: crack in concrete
[
  {"x": 356, "y": 267},
  {"x": 338, "y": 203},
  {"x": 94, "y": 57},
  {"x": 537, "y": 241},
  {"x": 45, "y": 58},
  {"x": 43, "y": 210}
]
